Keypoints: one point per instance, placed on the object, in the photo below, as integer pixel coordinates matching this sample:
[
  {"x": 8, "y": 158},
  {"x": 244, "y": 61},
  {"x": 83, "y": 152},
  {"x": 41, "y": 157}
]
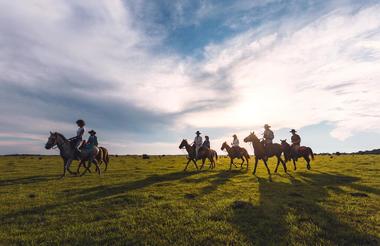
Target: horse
[
  {"x": 303, "y": 151},
  {"x": 67, "y": 152},
  {"x": 203, "y": 155},
  {"x": 101, "y": 157},
  {"x": 232, "y": 153},
  {"x": 262, "y": 154}
]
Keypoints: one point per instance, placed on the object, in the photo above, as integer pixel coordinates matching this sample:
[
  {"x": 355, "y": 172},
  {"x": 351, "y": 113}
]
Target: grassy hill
[{"x": 154, "y": 202}]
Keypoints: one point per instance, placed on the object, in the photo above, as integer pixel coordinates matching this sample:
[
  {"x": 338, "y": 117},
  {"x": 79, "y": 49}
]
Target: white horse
[{"x": 67, "y": 152}]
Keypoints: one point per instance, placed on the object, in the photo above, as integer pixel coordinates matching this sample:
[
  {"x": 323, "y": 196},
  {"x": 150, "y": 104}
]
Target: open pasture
[{"x": 153, "y": 202}]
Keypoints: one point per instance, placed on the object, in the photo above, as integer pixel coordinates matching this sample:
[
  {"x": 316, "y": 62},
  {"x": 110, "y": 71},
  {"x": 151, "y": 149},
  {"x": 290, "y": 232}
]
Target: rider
[
  {"x": 197, "y": 143},
  {"x": 92, "y": 139},
  {"x": 77, "y": 140},
  {"x": 268, "y": 137},
  {"x": 206, "y": 143},
  {"x": 235, "y": 142},
  {"x": 296, "y": 142}
]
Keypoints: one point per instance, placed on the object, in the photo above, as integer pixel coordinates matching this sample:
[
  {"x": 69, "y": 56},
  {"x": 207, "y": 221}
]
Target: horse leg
[
  {"x": 203, "y": 162},
  {"x": 66, "y": 167},
  {"x": 256, "y": 161},
  {"x": 266, "y": 165},
  {"x": 211, "y": 162},
  {"x": 241, "y": 164},
  {"x": 283, "y": 164},
  {"x": 195, "y": 163},
  {"x": 232, "y": 162},
  {"x": 87, "y": 168},
  {"x": 106, "y": 163},
  {"x": 308, "y": 162},
  {"x": 187, "y": 164},
  {"x": 97, "y": 165},
  {"x": 294, "y": 163},
  {"x": 278, "y": 163},
  {"x": 79, "y": 166}
]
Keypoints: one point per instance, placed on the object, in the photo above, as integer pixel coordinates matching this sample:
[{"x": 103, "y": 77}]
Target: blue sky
[{"x": 146, "y": 74}]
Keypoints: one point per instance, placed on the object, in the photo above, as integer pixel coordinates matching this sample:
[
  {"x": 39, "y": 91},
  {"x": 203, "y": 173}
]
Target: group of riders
[
  {"x": 268, "y": 137},
  {"x": 78, "y": 142}
]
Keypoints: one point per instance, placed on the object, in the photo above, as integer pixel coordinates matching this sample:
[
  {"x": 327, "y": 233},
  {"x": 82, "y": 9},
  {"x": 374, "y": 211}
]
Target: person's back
[
  {"x": 92, "y": 141},
  {"x": 206, "y": 143},
  {"x": 296, "y": 139},
  {"x": 296, "y": 142},
  {"x": 268, "y": 134},
  {"x": 198, "y": 143},
  {"x": 235, "y": 142}
]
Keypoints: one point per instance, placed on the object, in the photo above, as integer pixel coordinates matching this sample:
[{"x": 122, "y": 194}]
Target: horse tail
[
  {"x": 311, "y": 153},
  {"x": 246, "y": 154},
  {"x": 105, "y": 155}
]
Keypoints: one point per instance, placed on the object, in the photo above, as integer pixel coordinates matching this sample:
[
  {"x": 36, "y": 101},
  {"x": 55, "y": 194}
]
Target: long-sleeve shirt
[
  {"x": 235, "y": 142},
  {"x": 296, "y": 139},
  {"x": 206, "y": 144},
  {"x": 198, "y": 141},
  {"x": 268, "y": 134},
  {"x": 91, "y": 142}
]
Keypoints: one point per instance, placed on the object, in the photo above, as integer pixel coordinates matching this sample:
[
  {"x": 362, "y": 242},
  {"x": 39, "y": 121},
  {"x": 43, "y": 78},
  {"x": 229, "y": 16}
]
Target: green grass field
[{"x": 153, "y": 202}]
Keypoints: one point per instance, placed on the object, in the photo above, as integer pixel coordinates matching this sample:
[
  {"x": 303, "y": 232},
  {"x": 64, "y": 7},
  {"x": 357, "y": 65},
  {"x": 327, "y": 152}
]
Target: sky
[{"x": 147, "y": 74}]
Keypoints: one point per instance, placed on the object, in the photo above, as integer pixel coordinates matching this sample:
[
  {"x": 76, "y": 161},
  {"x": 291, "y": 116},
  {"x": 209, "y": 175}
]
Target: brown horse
[
  {"x": 262, "y": 154},
  {"x": 202, "y": 155},
  {"x": 303, "y": 151},
  {"x": 101, "y": 157},
  {"x": 233, "y": 153}
]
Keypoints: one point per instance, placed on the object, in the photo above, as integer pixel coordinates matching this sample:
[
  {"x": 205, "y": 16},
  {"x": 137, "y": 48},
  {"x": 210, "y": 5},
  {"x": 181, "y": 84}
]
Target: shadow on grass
[
  {"x": 100, "y": 192},
  {"x": 27, "y": 180},
  {"x": 291, "y": 213}
]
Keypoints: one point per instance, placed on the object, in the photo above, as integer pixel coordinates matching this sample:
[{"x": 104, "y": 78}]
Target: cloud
[
  {"x": 112, "y": 63},
  {"x": 325, "y": 70}
]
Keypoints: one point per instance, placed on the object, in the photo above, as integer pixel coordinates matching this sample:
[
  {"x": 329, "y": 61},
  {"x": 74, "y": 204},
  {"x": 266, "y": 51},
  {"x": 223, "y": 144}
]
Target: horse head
[
  {"x": 251, "y": 138},
  {"x": 183, "y": 144},
  {"x": 224, "y": 146},
  {"x": 52, "y": 140},
  {"x": 283, "y": 142}
]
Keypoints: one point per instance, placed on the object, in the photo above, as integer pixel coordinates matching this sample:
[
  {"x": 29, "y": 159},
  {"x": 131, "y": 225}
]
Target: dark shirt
[
  {"x": 91, "y": 142},
  {"x": 296, "y": 139},
  {"x": 206, "y": 144}
]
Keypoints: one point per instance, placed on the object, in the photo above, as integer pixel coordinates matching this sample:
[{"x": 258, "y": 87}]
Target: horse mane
[{"x": 61, "y": 135}]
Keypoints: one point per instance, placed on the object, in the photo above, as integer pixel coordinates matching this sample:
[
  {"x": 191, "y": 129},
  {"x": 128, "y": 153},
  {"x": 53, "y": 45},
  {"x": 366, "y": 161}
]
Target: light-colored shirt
[
  {"x": 198, "y": 141},
  {"x": 268, "y": 134},
  {"x": 80, "y": 132},
  {"x": 235, "y": 142}
]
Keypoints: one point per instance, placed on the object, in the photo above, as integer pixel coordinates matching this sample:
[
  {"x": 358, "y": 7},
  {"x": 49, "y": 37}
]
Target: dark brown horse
[
  {"x": 101, "y": 157},
  {"x": 239, "y": 153},
  {"x": 262, "y": 154},
  {"x": 202, "y": 155},
  {"x": 303, "y": 151}
]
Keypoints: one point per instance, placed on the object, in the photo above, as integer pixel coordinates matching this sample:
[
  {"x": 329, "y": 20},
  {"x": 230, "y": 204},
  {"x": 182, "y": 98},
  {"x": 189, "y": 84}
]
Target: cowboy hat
[
  {"x": 92, "y": 132},
  {"x": 293, "y": 130},
  {"x": 266, "y": 125},
  {"x": 198, "y": 133},
  {"x": 234, "y": 135}
]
